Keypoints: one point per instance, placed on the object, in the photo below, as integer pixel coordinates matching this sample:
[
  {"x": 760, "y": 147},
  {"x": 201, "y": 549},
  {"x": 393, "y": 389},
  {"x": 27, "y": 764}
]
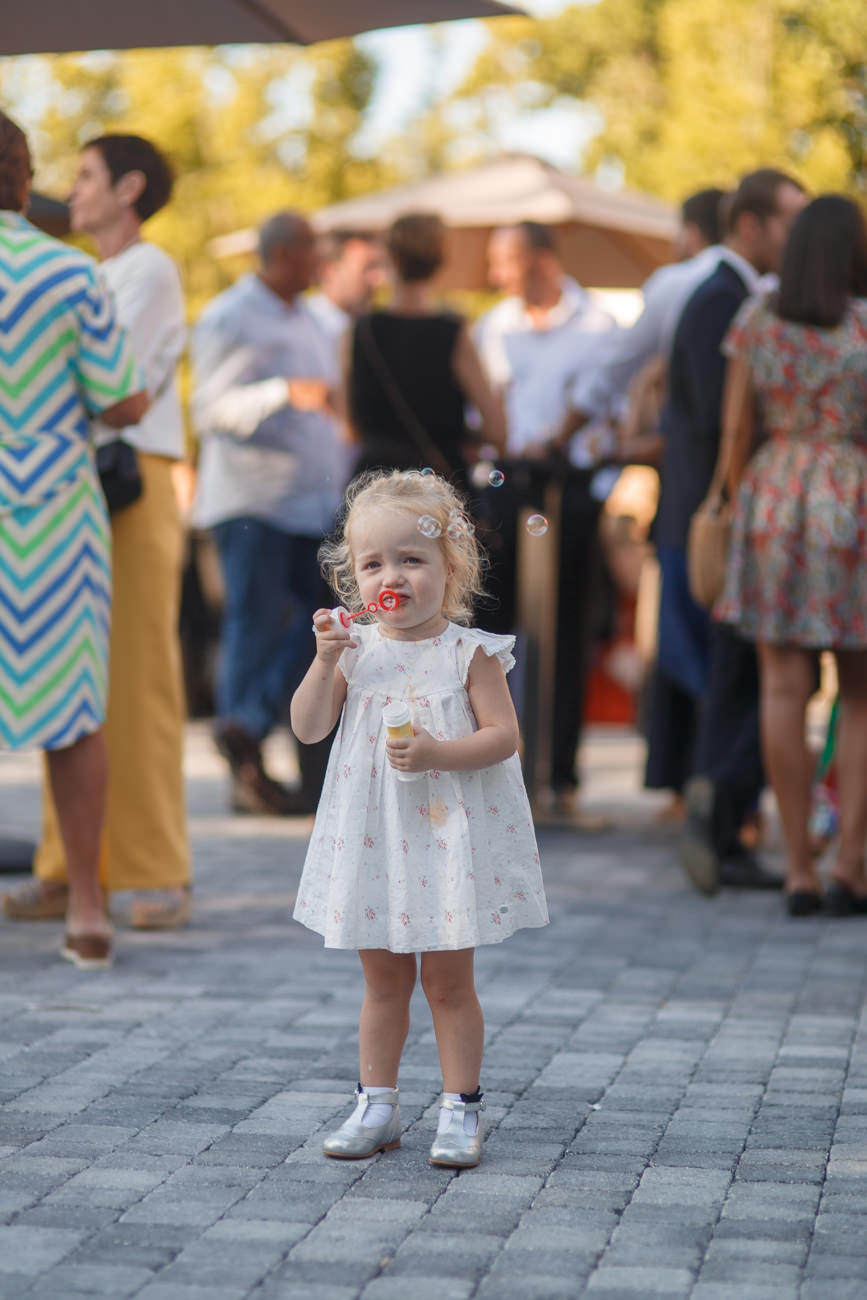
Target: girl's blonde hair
[{"x": 419, "y": 495}]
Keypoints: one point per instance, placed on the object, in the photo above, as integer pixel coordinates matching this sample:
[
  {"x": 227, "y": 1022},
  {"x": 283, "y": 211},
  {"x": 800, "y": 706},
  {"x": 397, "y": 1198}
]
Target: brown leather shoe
[
  {"x": 161, "y": 909},
  {"x": 253, "y": 791},
  {"x": 37, "y": 900},
  {"x": 88, "y": 951}
]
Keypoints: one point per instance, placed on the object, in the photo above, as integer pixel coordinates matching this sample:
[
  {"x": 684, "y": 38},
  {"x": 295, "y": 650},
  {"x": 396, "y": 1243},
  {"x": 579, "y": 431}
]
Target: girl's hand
[
  {"x": 331, "y": 638},
  {"x": 412, "y": 753}
]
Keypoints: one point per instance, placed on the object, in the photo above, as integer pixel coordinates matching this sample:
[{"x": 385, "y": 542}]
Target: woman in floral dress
[{"x": 797, "y": 577}]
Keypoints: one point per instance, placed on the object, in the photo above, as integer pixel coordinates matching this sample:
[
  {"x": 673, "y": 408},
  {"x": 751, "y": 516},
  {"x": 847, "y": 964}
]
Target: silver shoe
[
  {"x": 453, "y": 1148},
  {"x": 352, "y": 1141}
]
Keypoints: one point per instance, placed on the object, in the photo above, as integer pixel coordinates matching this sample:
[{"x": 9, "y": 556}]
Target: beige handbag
[
  {"x": 710, "y": 531},
  {"x": 708, "y": 544}
]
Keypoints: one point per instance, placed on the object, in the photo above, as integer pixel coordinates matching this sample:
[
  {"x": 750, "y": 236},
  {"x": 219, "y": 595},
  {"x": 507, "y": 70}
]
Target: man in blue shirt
[{"x": 270, "y": 480}]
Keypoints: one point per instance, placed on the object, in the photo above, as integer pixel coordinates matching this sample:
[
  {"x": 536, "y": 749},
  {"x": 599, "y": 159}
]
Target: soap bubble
[
  {"x": 537, "y": 525},
  {"x": 428, "y": 526},
  {"x": 455, "y": 530},
  {"x": 427, "y": 471},
  {"x": 496, "y": 478}
]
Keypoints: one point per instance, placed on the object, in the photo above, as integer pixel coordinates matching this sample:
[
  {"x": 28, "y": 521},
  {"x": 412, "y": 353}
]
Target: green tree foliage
[
  {"x": 692, "y": 94},
  {"x": 248, "y": 130}
]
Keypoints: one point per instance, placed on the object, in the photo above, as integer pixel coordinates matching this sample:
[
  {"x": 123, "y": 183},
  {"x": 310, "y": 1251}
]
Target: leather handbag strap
[{"x": 424, "y": 443}]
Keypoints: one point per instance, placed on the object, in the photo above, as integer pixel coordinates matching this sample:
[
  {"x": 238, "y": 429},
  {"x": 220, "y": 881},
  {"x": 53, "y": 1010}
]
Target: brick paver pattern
[{"x": 677, "y": 1093}]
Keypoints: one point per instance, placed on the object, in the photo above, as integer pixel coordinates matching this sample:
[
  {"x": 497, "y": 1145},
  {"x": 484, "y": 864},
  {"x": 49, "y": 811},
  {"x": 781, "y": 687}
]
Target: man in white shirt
[
  {"x": 666, "y": 293},
  {"x": 270, "y": 481},
  {"x": 535, "y": 345},
  {"x": 122, "y": 181}
]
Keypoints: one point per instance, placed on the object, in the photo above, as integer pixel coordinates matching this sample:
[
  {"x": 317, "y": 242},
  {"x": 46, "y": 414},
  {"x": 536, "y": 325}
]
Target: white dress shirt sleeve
[
  {"x": 222, "y": 401},
  {"x": 625, "y": 352}
]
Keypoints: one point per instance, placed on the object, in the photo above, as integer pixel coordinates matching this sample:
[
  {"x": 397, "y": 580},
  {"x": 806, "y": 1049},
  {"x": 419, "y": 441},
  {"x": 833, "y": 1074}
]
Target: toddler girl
[{"x": 442, "y": 861}]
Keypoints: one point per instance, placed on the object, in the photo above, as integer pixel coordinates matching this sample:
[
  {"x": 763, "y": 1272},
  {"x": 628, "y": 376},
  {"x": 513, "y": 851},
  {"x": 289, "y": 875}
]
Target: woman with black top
[{"x": 413, "y": 368}]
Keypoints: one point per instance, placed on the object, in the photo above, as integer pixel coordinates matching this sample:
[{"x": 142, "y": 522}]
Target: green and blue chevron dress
[{"x": 63, "y": 358}]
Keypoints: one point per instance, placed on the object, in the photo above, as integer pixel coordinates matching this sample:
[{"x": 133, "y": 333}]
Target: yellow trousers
[{"x": 144, "y": 842}]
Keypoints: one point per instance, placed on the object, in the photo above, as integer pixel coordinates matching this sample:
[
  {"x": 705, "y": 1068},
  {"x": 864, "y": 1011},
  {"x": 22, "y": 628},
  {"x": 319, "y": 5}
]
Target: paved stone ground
[{"x": 677, "y": 1089}]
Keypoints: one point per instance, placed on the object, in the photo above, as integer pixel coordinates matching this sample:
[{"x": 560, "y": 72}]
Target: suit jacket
[{"x": 692, "y": 415}]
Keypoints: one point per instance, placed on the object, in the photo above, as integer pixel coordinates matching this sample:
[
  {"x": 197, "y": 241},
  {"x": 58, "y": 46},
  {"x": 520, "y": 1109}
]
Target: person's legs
[
  {"x": 578, "y": 585},
  {"x": 389, "y": 979},
  {"x": 256, "y": 612},
  {"x": 787, "y": 682},
  {"x": 78, "y": 782},
  {"x": 728, "y": 745},
  {"x": 852, "y": 770},
  {"x": 728, "y": 774},
  {"x": 309, "y": 593},
  {"x": 449, "y": 986}
]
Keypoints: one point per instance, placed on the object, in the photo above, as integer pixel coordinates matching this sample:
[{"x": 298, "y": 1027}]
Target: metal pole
[{"x": 538, "y": 581}]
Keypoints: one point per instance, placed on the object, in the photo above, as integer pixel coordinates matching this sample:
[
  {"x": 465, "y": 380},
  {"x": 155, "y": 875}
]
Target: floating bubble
[
  {"x": 427, "y": 471},
  {"x": 496, "y": 478},
  {"x": 480, "y": 473},
  {"x": 428, "y": 526},
  {"x": 455, "y": 530},
  {"x": 537, "y": 525}
]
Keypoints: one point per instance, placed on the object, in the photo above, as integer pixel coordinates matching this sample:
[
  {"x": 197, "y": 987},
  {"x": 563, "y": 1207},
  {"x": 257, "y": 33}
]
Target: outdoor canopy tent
[
  {"x": 55, "y": 26},
  {"x": 607, "y": 238}
]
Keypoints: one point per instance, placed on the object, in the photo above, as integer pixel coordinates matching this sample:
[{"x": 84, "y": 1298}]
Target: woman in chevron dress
[{"x": 63, "y": 359}]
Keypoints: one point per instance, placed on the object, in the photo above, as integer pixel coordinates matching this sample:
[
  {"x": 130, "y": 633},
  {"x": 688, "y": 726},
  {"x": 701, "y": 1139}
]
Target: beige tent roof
[{"x": 607, "y": 238}]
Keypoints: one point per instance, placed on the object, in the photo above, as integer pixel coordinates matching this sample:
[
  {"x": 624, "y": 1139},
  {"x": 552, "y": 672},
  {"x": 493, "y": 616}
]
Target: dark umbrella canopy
[{"x": 55, "y": 26}]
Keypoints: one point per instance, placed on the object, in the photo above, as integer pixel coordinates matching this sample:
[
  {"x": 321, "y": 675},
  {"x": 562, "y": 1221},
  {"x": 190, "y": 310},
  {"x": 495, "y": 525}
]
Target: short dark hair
[
  {"x": 16, "y": 167},
  {"x": 704, "y": 210},
  {"x": 331, "y": 243},
  {"x": 758, "y": 193},
  {"x": 539, "y": 237},
  {"x": 824, "y": 262},
  {"x": 132, "y": 153},
  {"x": 416, "y": 244}
]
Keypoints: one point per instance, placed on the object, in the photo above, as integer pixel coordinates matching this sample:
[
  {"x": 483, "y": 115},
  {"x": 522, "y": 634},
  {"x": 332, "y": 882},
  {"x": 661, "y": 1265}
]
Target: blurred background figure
[
  {"x": 351, "y": 268},
  {"x": 711, "y": 661},
  {"x": 797, "y": 580},
  {"x": 413, "y": 370},
  {"x": 72, "y": 361},
  {"x": 270, "y": 479},
  {"x": 535, "y": 345},
  {"x": 122, "y": 181}
]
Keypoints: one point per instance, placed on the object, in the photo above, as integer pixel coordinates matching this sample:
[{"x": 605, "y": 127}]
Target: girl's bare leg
[
  {"x": 449, "y": 986},
  {"x": 389, "y": 979},
  {"x": 852, "y": 769},
  {"x": 787, "y": 681}
]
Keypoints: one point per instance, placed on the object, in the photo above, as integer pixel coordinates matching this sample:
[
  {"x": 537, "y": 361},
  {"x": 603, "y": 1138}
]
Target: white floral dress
[{"x": 442, "y": 862}]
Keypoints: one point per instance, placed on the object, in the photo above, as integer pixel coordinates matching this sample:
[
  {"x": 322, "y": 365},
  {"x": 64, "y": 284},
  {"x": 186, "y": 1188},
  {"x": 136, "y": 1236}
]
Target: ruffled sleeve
[
  {"x": 744, "y": 329},
  {"x": 470, "y": 638}
]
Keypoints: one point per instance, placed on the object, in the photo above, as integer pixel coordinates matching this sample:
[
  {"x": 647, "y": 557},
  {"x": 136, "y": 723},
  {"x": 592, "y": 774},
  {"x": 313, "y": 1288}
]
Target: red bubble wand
[{"x": 388, "y": 600}]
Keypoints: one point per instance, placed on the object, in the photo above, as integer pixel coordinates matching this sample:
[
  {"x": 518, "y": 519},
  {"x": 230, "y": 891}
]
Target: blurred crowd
[{"x": 747, "y": 368}]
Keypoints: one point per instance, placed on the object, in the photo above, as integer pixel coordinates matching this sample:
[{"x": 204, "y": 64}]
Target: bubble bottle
[{"x": 398, "y": 722}]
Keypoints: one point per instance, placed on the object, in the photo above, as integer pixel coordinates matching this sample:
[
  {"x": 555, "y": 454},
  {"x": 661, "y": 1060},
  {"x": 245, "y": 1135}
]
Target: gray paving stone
[{"x": 677, "y": 1094}]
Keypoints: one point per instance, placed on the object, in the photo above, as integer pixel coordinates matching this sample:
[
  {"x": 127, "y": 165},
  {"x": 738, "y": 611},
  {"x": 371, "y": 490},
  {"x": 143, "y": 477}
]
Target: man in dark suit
[{"x": 708, "y": 659}]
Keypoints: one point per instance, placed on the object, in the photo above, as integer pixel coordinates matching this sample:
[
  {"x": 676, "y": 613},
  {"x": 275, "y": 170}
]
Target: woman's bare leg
[
  {"x": 449, "y": 986},
  {"x": 787, "y": 682},
  {"x": 852, "y": 769},
  {"x": 389, "y": 979},
  {"x": 78, "y": 777}
]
